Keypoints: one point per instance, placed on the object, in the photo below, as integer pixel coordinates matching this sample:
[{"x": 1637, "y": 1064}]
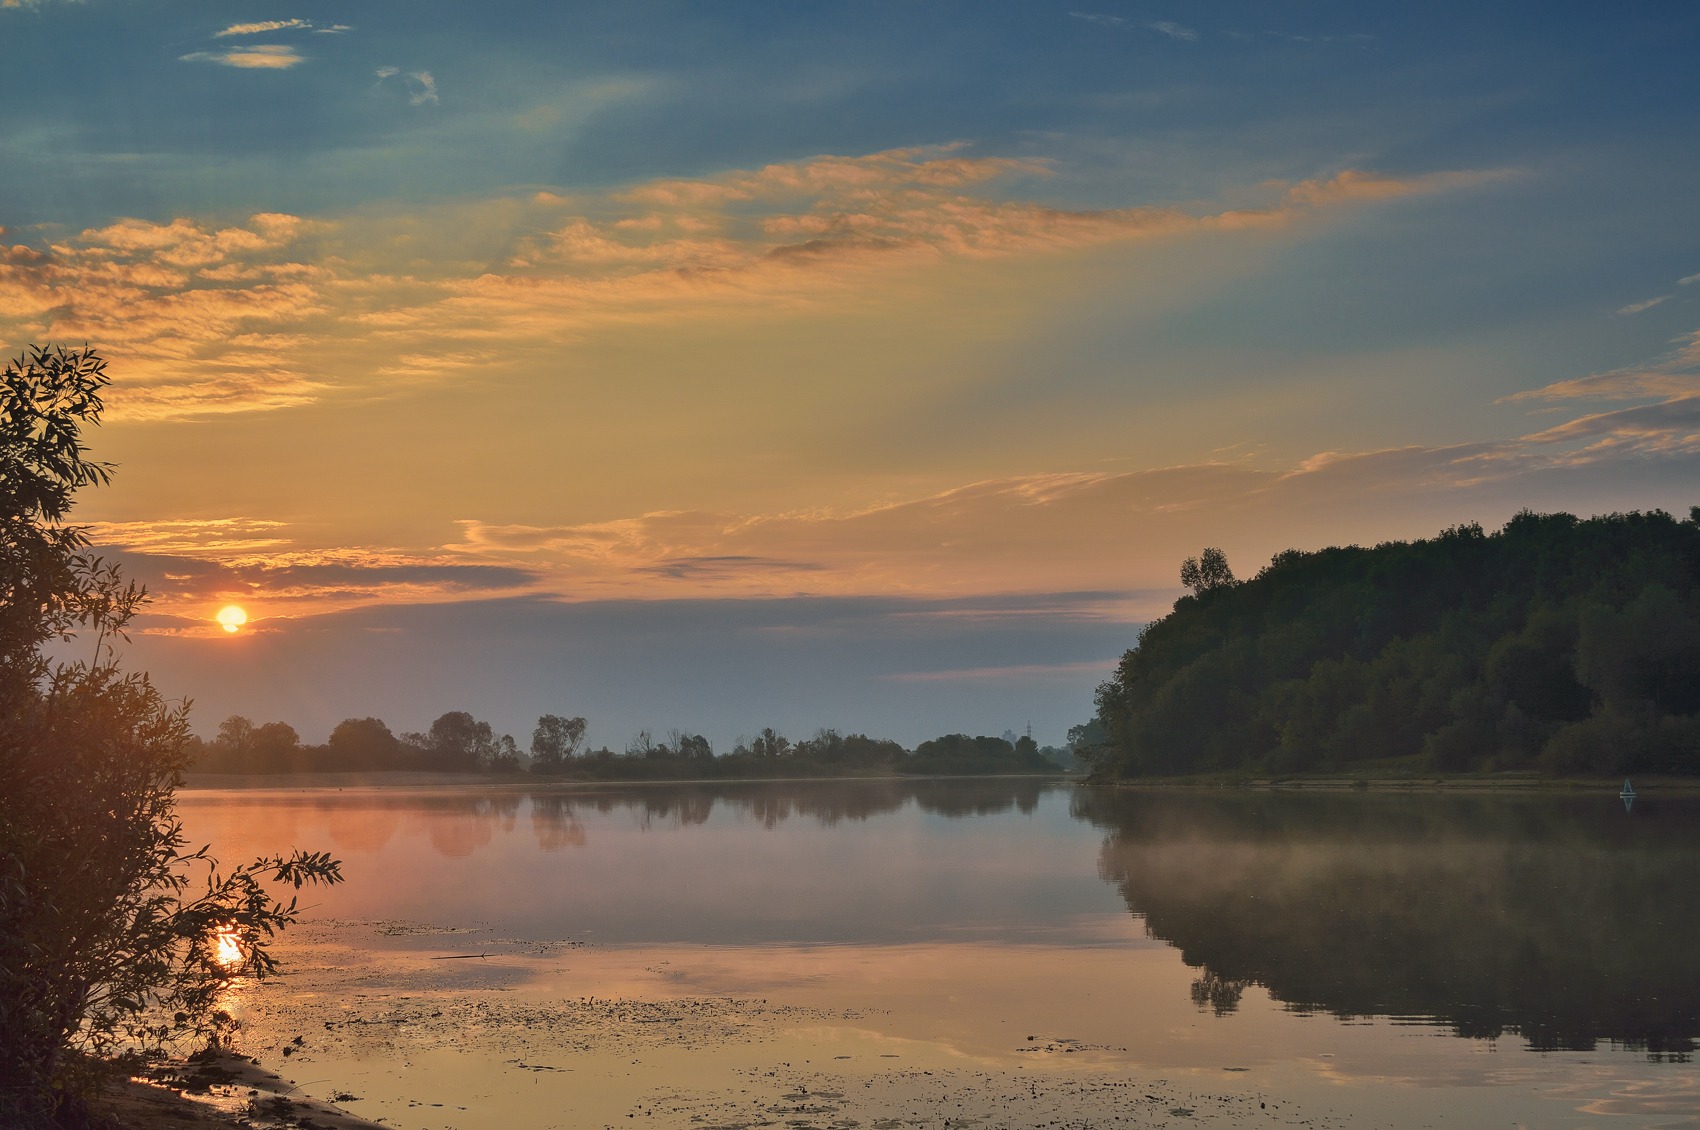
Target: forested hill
[{"x": 1567, "y": 645}]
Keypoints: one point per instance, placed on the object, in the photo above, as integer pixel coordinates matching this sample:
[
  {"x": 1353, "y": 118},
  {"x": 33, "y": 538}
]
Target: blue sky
[{"x": 425, "y": 313}]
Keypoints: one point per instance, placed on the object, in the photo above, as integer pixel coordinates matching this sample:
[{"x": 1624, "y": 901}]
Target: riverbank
[
  {"x": 1380, "y": 780},
  {"x": 218, "y": 1092}
]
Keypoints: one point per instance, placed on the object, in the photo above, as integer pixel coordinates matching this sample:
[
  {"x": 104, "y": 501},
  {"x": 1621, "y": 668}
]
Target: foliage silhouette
[
  {"x": 1207, "y": 572},
  {"x": 107, "y": 920},
  {"x": 1557, "y": 644},
  {"x": 458, "y": 742}
]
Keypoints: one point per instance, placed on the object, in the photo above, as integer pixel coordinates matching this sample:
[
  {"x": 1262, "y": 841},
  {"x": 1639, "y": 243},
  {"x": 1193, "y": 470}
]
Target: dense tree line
[
  {"x": 1556, "y": 644},
  {"x": 457, "y": 742}
]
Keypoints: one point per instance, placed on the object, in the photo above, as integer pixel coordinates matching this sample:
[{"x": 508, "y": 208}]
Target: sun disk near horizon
[
  {"x": 228, "y": 951},
  {"x": 231, "y": 617}
]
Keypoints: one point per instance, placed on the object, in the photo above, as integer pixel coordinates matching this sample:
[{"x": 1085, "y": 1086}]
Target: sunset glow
[
  {"x": 228, "y": 953},
  {"x": 757, "y": 365}
]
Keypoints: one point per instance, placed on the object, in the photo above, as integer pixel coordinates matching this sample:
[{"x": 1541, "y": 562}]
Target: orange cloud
[
  {"x": 280, "y": 310},
  {"x": 1097, "y": 531},
  {"x": 1355, "y": 186},
  {"x": 1035, "y": 533},
  {"x": 1675, "y": 375},
  {"x": 202, "y": 316}
]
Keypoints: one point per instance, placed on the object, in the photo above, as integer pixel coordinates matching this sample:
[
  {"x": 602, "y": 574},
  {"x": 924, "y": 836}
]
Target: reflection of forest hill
[
  {"x": 1558, "y": 644},
  {"x": 1563, "y": 921}
]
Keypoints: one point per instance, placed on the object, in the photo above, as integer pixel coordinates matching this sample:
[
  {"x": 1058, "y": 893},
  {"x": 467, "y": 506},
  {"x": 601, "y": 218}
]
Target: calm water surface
[{"x": 983, "y": 953}]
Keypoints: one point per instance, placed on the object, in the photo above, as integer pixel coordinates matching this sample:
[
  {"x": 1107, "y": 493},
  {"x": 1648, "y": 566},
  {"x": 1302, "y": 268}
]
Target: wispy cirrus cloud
[
  {"x": 419, "y": 86},
  {"x": 256, "y": 56},
  {"x": 1168, "y": 28},
  {"x": 1174, "y": 30},
  {"x": 1013, "y": 673},
  {"x": 1668, "y": 427},
  {"x": 193, "y": 566},
  {"x": 1099, "y": 18},
  {"x": 1078, "y": 530},
  {"x": 191, "y": 536},
  {"x": 1648, "y": 304},
  {"x": 261, "y": 27},
  {"x": 280, "y": 310},
  {"x": 1676, "y": 374}
]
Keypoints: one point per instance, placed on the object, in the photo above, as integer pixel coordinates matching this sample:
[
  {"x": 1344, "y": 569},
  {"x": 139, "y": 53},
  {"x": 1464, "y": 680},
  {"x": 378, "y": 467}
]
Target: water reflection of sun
[{"x": 228, "y": 953}]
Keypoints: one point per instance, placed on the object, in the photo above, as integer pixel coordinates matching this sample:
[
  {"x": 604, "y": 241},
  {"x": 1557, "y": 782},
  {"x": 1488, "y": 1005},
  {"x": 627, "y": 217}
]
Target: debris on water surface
[{"x": 902, "y": 1099}]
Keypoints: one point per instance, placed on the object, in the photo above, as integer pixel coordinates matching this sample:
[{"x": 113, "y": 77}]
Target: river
[{"x": 979, "y": 953}]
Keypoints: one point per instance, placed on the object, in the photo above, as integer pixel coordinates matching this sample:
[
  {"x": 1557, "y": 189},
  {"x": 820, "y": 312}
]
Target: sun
[
  {"x": 231, "y": 617},
  {"x": 228, "y": 952}
]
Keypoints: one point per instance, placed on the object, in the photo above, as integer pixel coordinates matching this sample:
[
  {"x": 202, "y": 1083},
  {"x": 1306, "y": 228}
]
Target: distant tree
[
  {"x": 231, "y": 751},
  {"x": 458, "y": 741},
  {"x": 770, "y": 744},
  {"x": 506, "y": 757},
  {"x": 693, "y": 746},
  {"x": 236, "y": 737},
  {"x": 275, "y": 747},
  {"x": 642, "y": 744},
  {"x": 364, "y": 743},
  {"x": 1087, "y": 741},
  {"x": 1207, "y": 572},
  {"x": 827, "y": 745},
  {"x": 102, "y": 943},
  {"x": 960, "y": 753},
  {"x": 555, "y": 741}
]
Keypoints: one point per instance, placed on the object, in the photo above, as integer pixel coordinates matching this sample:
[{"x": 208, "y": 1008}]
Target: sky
[{"x": 856, "y": 365}]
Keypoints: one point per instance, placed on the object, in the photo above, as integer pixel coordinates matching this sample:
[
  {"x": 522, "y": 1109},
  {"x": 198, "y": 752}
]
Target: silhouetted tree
[
  {"x": 364, "y": 743},
  {"x": 555, "y": 741},
  {"x": 770, "y": 743},
  {"x": 1207, "y": 572},
  {"x": 959, "y": 753},
  {"x": 506, "y": 757},
  {"x": 687, "y": 746},
  {"x": 458, "y": 741},
  {"x": 101, "y": 943}
]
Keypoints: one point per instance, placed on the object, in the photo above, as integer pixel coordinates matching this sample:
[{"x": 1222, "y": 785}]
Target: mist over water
[
  {"x": 1368, "y": 959},
  {"x": 840, "y": 863},
  {"x": 1565, "y": 921}
]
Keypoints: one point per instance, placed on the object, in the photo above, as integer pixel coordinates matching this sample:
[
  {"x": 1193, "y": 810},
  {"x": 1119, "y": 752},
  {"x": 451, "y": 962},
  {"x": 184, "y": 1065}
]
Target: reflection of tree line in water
[
  {"x": 1564, "y": 921},
  {"x": 457, "y": 825}
]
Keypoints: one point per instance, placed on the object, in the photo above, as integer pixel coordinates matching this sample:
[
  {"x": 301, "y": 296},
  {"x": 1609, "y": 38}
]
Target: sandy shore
[{"x": 219, "y": 1093}]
